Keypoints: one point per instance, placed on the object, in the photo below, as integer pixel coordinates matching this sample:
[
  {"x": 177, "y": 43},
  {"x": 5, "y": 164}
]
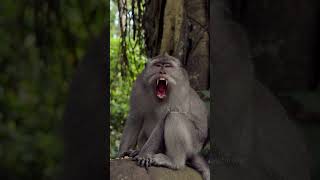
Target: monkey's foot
[
  {"x": 144, "y": 160},
  {"x": 131, "y": 153},
  {"x": 164, "y": 161}
]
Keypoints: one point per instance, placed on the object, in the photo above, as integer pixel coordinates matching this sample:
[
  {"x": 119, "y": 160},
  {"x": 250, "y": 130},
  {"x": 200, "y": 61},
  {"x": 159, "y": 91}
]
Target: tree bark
[{"x": 180, "y": 29}]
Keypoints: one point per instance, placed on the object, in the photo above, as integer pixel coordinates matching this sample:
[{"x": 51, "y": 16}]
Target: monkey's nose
[{"x": 162, "y": 72}]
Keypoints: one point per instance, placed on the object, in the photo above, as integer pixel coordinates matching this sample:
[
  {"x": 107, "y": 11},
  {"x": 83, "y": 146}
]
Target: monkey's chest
[{"x": 151, "y": 119}]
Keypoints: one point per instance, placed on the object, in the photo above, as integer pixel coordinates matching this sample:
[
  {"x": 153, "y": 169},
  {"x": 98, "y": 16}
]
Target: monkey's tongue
[{"x": 161, "y": 90}]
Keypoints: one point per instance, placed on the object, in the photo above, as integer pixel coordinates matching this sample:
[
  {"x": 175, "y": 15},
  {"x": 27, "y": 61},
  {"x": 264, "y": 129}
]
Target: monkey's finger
[
  {"x": 134, "y": 153},
  {"x": 151, "y": 161},
  {"x": 142, "y": 162},
  {"x": 138, "y": 162},
  {"x": 126, "y": 153},
  {"x": 147, "y": 163},
  {"x": 136, "y": 158}
]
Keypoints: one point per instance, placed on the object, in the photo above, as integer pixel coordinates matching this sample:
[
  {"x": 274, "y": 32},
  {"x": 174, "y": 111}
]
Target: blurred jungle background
[
  {"x": 42, "y": 42},
  {"x": 284, "y": 41},
  {"x": 146, "y": 28},
  {"x": 127, "y": 58}
]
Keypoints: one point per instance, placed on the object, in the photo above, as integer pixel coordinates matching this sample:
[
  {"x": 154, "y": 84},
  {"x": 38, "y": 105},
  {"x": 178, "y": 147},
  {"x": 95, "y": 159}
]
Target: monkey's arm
[
  {"x": 130, "y": 133},
  {"x": 153, "y": 145},
  {"x": 155, "y": 140}
]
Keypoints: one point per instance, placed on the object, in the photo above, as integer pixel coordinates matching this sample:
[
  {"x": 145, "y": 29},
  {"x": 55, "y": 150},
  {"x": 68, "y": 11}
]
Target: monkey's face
[{"x": 162, "y": 74}]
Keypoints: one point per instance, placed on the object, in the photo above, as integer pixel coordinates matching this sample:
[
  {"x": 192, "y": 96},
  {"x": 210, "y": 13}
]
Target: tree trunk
[{"x": 180, "y": 28}]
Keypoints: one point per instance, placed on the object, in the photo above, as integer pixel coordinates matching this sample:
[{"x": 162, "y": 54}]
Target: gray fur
[{"x": 167, "y": 132}]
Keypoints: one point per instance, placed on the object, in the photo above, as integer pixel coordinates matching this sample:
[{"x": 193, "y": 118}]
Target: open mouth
[{"x": 161, "y": 88}]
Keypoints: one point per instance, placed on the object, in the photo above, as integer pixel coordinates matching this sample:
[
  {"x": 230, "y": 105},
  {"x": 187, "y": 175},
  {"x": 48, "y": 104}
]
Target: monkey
[{"x": 167, "y": 120}]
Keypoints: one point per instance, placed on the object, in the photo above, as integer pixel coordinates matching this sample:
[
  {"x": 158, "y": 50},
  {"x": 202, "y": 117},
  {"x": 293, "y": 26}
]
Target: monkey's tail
[{"x": 200, "y": 164}]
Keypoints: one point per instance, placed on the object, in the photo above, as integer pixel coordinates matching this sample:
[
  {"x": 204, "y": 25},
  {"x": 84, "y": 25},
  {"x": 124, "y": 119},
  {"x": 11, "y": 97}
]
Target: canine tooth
[
  {"x": 166, "y": 83},
  {"x": 157, "y": 81}
]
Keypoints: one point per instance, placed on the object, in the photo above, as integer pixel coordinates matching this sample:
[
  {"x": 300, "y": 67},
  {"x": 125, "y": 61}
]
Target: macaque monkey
[{"x": 167, "y": 123}]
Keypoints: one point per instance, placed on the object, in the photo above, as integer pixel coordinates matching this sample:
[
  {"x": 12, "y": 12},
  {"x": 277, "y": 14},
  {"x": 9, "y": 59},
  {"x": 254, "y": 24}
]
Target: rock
[{"x": 126, "y": 169}]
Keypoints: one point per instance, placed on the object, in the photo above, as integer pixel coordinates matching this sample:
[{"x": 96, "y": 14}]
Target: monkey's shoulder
[
  {"x": 137, "y": 90},
  {"x": 197, "y": 105},
  {"x": 195, "y": 98}
]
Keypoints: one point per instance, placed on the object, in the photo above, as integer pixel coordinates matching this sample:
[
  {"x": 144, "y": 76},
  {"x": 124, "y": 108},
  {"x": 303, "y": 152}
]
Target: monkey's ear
[{"x": 147, "y": 62}]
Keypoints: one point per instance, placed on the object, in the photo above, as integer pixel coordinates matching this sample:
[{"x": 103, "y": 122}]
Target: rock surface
[{"x": 126, "y": 169}]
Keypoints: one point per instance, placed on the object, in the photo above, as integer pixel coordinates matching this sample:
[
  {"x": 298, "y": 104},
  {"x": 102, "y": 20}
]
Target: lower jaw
[{"x": 161, "y": 97}]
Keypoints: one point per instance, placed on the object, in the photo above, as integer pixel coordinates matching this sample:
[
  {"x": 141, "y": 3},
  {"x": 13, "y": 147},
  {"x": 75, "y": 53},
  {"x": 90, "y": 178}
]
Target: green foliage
[
  {"x": 41, "y": 44},
  {"x": 121, "y": 83}
]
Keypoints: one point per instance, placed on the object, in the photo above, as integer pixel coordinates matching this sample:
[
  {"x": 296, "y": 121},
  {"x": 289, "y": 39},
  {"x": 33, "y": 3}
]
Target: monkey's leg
[
  {"x": 199, "y": 163},
  {"x": 130, "y": 135},
  {"x": 153, "y": 145},
  {"x": 155, "y": 140},
  {"x": 164, "y": 161},
  {"x": 178, "y": 142}
]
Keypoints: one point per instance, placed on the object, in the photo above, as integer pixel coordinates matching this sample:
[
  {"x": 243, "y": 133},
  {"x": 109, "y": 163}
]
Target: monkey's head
[{"x": 164, "y": 74}]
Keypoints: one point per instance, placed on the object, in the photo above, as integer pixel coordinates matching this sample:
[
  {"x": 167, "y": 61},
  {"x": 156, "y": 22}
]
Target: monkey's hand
[
  {"x": 144, "y": 160},
  {"x": 131, "y": 153}
]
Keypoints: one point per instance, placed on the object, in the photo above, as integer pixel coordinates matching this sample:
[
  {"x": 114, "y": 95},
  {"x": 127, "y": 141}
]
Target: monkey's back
[{"x": 199, "y": 112}]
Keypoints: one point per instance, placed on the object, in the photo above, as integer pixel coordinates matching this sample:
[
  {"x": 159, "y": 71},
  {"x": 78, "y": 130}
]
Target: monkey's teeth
[
  {"x": 157, "y": 82},
  {"x": 162, "y": 78},
  {"x": 166, "y": 83}
]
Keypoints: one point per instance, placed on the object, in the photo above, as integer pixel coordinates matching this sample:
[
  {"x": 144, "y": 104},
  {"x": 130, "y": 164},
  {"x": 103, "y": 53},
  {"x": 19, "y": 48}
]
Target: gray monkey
[{"x": 167, "y": 120}]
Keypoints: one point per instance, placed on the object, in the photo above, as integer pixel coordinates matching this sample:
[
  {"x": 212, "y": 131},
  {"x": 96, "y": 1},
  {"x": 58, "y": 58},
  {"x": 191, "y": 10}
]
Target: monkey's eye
[
  {"x": 158, "y": 65},
  {"x": 168, "y": 65}
]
